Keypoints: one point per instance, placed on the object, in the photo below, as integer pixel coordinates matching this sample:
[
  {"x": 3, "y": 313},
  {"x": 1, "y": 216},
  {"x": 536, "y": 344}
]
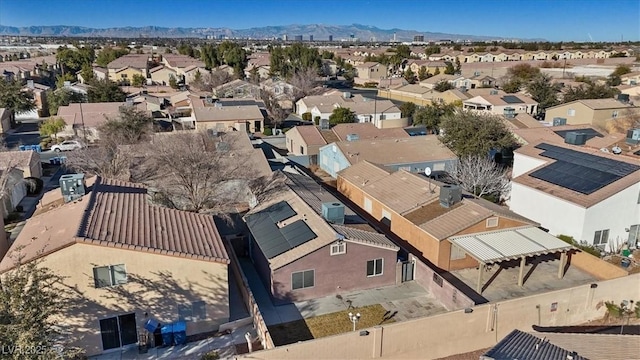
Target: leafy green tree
[
  {"x": 408, "y": 109},
  {"x": 436, "y": 71},
  {"x": 524, "y": 72},
  {"x": 63, "y": 97},
  {"x": 589, "y": 91},
  {"x": 168, "y": 50},
  {"x": 431, "y": 115},
  {"x": 458, "y": 67},
  {"x": 469, "y": 134},
  {"x": 234, "y": 55},
  {"x": 327, "y": 54},
  {"x": 138, "y": 80},
  {"x": 341, "y": 115},
  {"x": 457, "y": 47},
  {"x": 61, "y": 79},
  {"x": 14, "y": 99},
  {"x": 87, "y": 73},
  {"x": 209, "y": 55},
  {"x": 544, "y": 91},
  {"x": 108, "y": 54},
  {"x": 173, "y": 82},
  {"x": 450, "y": 70},
  {"x": 105, "y": 91},
  {"x": 130, "y": 127},
  {"x": 410, "y": 76},
  {"x": 403, "y": 51},
  {"x": 71, "y": 61},
  {"x": 443, "y": 86},
  {"x": 422, "y": 73},
  {"x": 32, "y": 300},
  {"x": 51, "y": 127},
  {"x": 288, "y": 61},
  {"x": 430, "y": 50},
  {"x": 512, "y": 85}
]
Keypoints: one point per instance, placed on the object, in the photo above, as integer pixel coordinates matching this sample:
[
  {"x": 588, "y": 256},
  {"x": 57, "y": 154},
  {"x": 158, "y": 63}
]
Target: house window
[
  {"x": 634, "y": 235},
  {"x": 301, "y": 149},
  {"x": 303, "y": 279},
  {"x": 338, "y": 248},
  {"x": 368, "y": 205},
  {"x": 492, "y": 222},
  {"x": 196, "y": 311},
  {"x": 124, "y": 76},
  {"x": 374, "y": 267},
  {"x": 614, "y": 114},
  {"x": 386, "y": 214},
  {"x": 601, "y": 237},
  {"x": 111, "y": 275},
  {"x": 571, "y": 112},
  {"x": 457, "y": 253}
]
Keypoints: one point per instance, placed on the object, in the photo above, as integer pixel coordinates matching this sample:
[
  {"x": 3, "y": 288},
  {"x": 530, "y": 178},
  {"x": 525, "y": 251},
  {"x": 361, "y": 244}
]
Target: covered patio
[{"x": 512, "y": 244}]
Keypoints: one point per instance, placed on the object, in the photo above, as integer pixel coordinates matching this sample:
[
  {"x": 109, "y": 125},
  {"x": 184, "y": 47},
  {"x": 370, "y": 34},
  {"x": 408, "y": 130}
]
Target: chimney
[{"x": 450, "y": 195}]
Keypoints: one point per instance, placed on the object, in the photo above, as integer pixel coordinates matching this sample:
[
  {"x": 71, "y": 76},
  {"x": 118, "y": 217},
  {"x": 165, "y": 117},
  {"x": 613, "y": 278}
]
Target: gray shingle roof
[{"x": 519, "y": 345}]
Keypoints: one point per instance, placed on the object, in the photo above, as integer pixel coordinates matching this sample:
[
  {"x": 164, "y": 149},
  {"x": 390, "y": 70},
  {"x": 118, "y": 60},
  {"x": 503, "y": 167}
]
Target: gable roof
[
  {"x": 136, "y": 61},
  {"x": 19, "y": 159},
  {"x": 367, "y": 131},
  {"x": 227, "y": 113},
  {"x": 597, "y": 104},
  {"x": 300, "y": 203},
  {"x": 406, "y": 150},
  {"x": 92, "y": 114},
  {"x": 117, "y": 214},
  {"x": 521, "y": 345},
  {"x": 181, "y": 61},
  {"x": 310, "y": 135}
]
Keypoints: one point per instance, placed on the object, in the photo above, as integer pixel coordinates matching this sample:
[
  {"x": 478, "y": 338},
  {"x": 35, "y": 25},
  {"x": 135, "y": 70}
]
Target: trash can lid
[
  {"x": 166, "y": 329},
  {"x": 180, "y": 326}
]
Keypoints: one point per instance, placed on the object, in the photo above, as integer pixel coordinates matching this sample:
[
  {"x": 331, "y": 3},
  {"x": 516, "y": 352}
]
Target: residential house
[
  {"x": 306, "y": 244},
  {"x": 456, "y": 80},
  {"x": 382, "y": 113},
  {"x": 430, "y": 66},
  {"x": 39, "y": 92},
  {"x": 224, "y": 116},
  {"x": 444, "y": 225},
  {"x": 5, "y": 120},
  {"x": 416, "y": 94},
  {"x": 129, "y": 261},
  {"x": 225, "y": 68},
  {"x": 99, "y": 73},
  {"x": 261, "y": 61},
  {"x": 282, "y": 91},
  {"x": 591, "y": 111},
  {"x": 185, "y": 66},
  {"x": 84, "y": 119},
  {"x": 27, "y": 161},
  {"x": 632, "y": 78},
  {"x": 580, "y": 192},
  {"x": 413, "y": 154},
  {"x": 122, "y": 69},
  {"x": 237, "y": 89},
  {"x": 370, "y": 72},
  {"x": 14, "y": 188},
  {"x": 307, "y": 140},
  {"x": 162, "y": 75},
  {"x": 497, "y": 102},
  {"x": 453, "y": 96},
  {"x": 581, "y": 135},
  {"x": 329, "y": 67}
]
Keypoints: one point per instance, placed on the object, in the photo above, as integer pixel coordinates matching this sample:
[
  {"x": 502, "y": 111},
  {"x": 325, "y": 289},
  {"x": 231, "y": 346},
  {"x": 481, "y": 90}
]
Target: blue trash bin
[
  {"x": 180, "y": 333},
  {"x": 167, "y": 334},
  {"x": 22, "y": 148}
]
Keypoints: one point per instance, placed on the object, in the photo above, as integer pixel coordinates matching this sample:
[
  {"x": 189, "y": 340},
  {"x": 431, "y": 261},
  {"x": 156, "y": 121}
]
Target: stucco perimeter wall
[
  {"x": 458, "y": 332},
  {"x": 596, "y": 267}
]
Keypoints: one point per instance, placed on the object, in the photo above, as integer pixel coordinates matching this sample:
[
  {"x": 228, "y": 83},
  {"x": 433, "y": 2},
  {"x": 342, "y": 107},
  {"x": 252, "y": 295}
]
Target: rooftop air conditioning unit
[
  {"x": 576, "y": 138},
  {"x": 509, "y": 113},
  {"x": 353, "y": 137},
  {"x": 450, "y": 195},
  {"x": 72, "y": 187},
  {"x": 558, "y": 121},
  {"x": 633, "y": 137},
  {"x": 333, "y": 212}
]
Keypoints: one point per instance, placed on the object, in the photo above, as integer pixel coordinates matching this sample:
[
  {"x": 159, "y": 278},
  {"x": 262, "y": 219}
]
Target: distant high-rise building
[
  {"x": 310, "y": 37},
  {"x": 285, "y": 37},
  {"x": 418, "y": 38},
  {"x": 297, "y": 38},
  {"x": 330, "y": 37},
  {"x": 221, "y": 37}
]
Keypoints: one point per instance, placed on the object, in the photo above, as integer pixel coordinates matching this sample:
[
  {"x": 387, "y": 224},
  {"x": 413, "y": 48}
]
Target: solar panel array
[
  {"x": 273, "y": 240},
  {"x": 577, "y": 171},
  {"x": 510, "y": 99}
]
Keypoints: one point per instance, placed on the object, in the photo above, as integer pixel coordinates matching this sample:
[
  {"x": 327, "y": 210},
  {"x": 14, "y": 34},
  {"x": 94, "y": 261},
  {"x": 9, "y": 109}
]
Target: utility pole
[{"x": 84, "y": 130}]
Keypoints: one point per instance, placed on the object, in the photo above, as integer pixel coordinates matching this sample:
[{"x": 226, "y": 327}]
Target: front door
[
  {"x": 407, "y": 270},
  {"x": 118, "y": 331}
]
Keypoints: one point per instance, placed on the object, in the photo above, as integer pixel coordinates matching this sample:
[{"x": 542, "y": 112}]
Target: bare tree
[
  {"x": 276, "y": 113},
  {"x": 479, "y": 175},
  {"x": 305, "y": 83},
  {"x": 211, "y": 80},
  {"x": 7, "y": 166},
  {"x": 107, "y": 160},
  {"x": 629, "y": 119},
  {"x": 198, "y": 172}
]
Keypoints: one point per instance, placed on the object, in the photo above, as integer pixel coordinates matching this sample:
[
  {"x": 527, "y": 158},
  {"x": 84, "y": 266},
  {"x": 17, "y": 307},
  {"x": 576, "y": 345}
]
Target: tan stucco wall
[
  {"x": 459, "y": 332},
  {"x": 113, "y": 76},
  {"x": 228, "y": 125},
  {"x": 583, "y": 114},
  {"x": 393, "y": 123},
  {"x": 163, "y": 76},
  {"x": 156, "y": 285}
]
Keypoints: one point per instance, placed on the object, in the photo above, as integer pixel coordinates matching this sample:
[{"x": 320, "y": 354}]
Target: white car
[{"x": 67, "y": 146}]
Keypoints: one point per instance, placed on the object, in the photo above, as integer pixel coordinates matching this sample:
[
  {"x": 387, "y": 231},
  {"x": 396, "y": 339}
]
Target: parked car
[{"x": 67, "y": 146}]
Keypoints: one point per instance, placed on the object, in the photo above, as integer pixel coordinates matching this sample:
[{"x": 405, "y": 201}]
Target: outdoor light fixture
[
  {"x": 468, "y": 310},
  {"x": 354, "y": 319},
  {"x": 593, "y": 286},
  {"x": 364, "y": 333}
]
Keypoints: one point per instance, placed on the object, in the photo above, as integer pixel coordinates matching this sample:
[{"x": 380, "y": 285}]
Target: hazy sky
[{"x": 577, "y": 20}]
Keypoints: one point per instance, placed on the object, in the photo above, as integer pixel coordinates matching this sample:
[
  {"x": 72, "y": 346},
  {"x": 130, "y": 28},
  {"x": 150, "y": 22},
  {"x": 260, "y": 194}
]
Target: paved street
[{"x": 25, "y": 134}]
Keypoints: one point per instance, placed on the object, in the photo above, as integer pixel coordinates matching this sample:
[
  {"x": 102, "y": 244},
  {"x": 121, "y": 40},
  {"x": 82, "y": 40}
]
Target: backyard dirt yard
[{"x": 329, "y": 324}]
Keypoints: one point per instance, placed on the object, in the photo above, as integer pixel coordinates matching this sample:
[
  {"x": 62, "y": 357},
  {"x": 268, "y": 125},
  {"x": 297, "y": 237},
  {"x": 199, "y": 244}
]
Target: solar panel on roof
[
  {"x": 581, "y": 172},
  {"x": 279, "y": 211},
  {"x": 297, "y": 233},
  {"x": 511, "y": 99}
]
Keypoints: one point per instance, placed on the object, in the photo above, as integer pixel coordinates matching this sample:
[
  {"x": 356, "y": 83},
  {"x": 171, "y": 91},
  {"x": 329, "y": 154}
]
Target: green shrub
[
  {"x": 589, "y": 249},
  {"x": 212, "y": 355},
  {"x": 306, "y": 116},
  {"x": 12, "y": 217},
  {"x": 267, "y": 131},
  {"x": 316, "y": 120}
]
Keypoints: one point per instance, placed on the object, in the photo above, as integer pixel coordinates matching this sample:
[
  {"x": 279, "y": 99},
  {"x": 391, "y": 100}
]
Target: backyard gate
[{"x": 407, "y": 270}]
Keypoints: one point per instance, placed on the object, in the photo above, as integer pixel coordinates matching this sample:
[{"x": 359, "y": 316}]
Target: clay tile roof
[
  {"x": 118, "y": 214},
  {"x": 137, "y": 61}
]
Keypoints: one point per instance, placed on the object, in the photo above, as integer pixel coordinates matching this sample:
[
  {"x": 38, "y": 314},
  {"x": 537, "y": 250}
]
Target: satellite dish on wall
[{"x": 427, "y": 171}]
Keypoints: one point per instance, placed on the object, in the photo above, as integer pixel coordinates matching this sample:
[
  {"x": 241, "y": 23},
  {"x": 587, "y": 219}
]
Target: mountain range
[{"x": 318, "y": 31}]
